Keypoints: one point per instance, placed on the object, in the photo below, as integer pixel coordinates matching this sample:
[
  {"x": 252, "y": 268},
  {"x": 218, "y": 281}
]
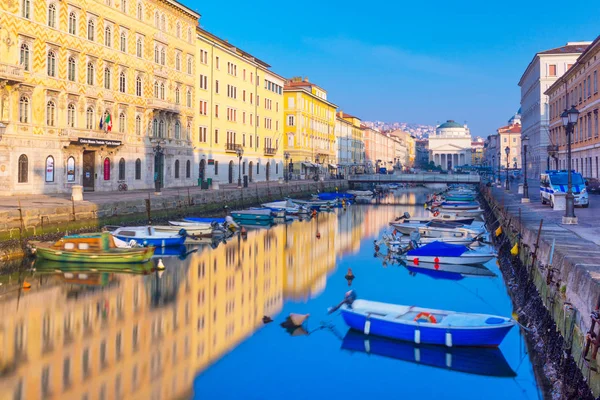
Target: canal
[{"x": 196, "y": 329}]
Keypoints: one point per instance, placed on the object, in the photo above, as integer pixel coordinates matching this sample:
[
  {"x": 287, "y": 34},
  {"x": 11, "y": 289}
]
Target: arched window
[
  {"x": 52, "y": 16},
  {"x": 71, "y": 169},
  {"x": 71, "y": 115},
  {"x": 163, "y": 23},
  {"x": 176, "y": 169},
  {"x": 24, "y": 61},
  {"x": 156, "y": 92},
  {"x": 178, "y": 62},
  {"x": 49, "y": 169},
  {"x": 156, "y": 54},
  {"x": 124, "y": 6},
  {"x": 23, "y": 173},
  {"x": 177, "y": 96},
  {"x": 189, "y": 98},
  {"x": 140, "y": 12},
  {"x": 90, "y": 32},
  {"x": 51, "y": 63},
  {"x": 188, "y": 169},
  {"x": 161, "y": 129},
  {"x": 138, "y": 86},
  {"x": 26, "y": 9},
  {"x": 178, "y": 30},
  {"x": 156, "y": 20},
  {"x": 106, "y": 169},
  {"x": 73, "y": 23},
  {"x": 50, "y": 113},
  {"x": 162, "y": 91},
  {"x": 122, "y": 123},
  {"x": 107, "y": 36},
  {"x": 71, "y": 69},
  {"x": 138, "y": 125},
  {"x": 123, "y": 42},
  {"x": 89, "y": 118},
  {"x": 122, "y": 169},
  {"x": 24, "y": 110},
  {"x": 138, "y": 47},
  {"x": 189, "y": 65},
  {"x": 189, "y": 35},
  {"x": 138, "y": 169},
  {"x": 107, "y": 78},
  {"x": 155, "y": 128},
  {"x": 90, "y": 74},
  {"x": 122, "y": 82},
  {"x": 177, "y": 130},
  {"x": 163, "y": 56}
]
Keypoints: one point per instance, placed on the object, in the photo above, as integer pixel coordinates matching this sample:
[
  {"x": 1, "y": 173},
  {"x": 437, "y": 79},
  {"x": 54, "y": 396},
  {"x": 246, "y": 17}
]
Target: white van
[{"x": 556, "y": 181}]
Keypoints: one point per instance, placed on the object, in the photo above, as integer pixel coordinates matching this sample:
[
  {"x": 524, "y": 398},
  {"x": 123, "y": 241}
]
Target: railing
[
  {"x": 269, "y": 151},
  {"x": 162, "y": 72},
  {"x": 232, "y": 147},
  {"x": 416, "y": 178},
  {"x": 75, "y": 134},
  {"x": 163, "y": 105},
  {"x": 12, "y": 72}
]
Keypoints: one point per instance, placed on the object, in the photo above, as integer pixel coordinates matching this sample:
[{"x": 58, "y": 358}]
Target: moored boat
[
  {"x": 149, "y": 236},
  {"x": 328, "y": 196},
  {"x": 262, "y": 215},
  {"x": 450, "y": 271},
  {"x": 448, "y": 253}
]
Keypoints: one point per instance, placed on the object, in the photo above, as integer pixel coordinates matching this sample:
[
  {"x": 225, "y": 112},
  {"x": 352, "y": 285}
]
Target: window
[
  {"x": 216, "y": 136},
  {"x": 122, "y": 122},
  {"x": 140, "y": 12},
  {"x": 155, "y": 128},
  {"x": 161, "y": 129},
  {"x": 203, "y": 81},
  {"x": 189, "y": 65},
  {"x": 189, "y": 98},
  {"x": 107, "y": 76},
  {"x": 23, "y": 169},
  {"x": 90, "y": 74},
  {"x": 216, "y": 110},
  {"x": 202, "y": 134},
  {"x": 138, "y": 125},
  {"x": 73, "y": 23},
  {"x": 176, "y": 169},
  {"x": 216, "y": 167},
  {"x": 177, "y": 130},
  {"x": 162, "y": 56},
  {"x": 51, "y": 63},
  {"x": 49, "y": 169},
  {"x": 217, "y": 62},
  {"x": 189, "y": 35},
  {"x": 156, "y": 89},
  {"x": 178, "y": 62},
  {"x": 66, "y": 372},
  {"x": 156, "y": 54},
  {"x": 595, "y": 81},
  {"x": 26, "y": 9},
  {"x": 551, "y": 70},
  {"x": 123, "y": 42},
  {"x": 217, "y": 87},
  {"x": 163, "y": 23},
  {"x": 50, "y": 113},
  {"x": 124, "y": 6},
  {"x": 162, "y": 91},
  {"x": 52, "y": 16},
  {"x": 71, "y": 69},
  {"x": 24, "y": 60},
  {"x": 177, "y": 96},
  {"x": 107, "y": 169},
  {"x": 122, "y": 82},
  {"x": 290, "y": 120},
  {"x": 89, "y": 118},
  {"x": 24, "y": 110},
  {"x": 90, "y": 32},
  {"x": 188, "y": 169},
  {"x": 156, "y": 20},
  {"x": 107, "y": 36},
  {"x": 138, "y": 169},
  {"x": 178, "y": 30},
  {"x": 138, "y": 86},
  {"x": 71, "y": 115},
  {"x": 203, "y": 106},
  {"x": 204, "y": 56},
  {"x": 71, "y": 169},
  {"x": 122, "y": 169},
  {"x": 595, "y": 123},
  {"x": 139, "y": 49}
]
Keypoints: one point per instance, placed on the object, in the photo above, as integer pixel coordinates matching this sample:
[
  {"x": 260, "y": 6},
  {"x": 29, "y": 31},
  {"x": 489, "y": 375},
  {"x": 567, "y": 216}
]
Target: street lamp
[
  {"x": 525, "y": 141},
  {"x": 507, "y": 151},
  {"x": 569, "y": 120},
  {"x": 239, "y": 152},
  {"x": 286, "y": 155},
  {"x": 317, "y": 167}
]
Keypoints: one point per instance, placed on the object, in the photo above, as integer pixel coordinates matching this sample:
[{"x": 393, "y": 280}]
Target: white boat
[
  {"x": 316, "y": 203},
  {"x": 475, "y": 213},
  {"x": 286, "y": 205},
  {"x": 149, "y": 236},
  {"x": 398, "y": 245},
  {"x": 447, "y": 253},
  {"x": 440, "y": 229},
  {"x": 360, "y": 192},
  {"x": 193, "y": 229}
]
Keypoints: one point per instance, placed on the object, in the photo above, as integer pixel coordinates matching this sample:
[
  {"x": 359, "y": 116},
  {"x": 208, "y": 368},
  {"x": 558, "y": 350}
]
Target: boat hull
[
  {"x": 464, "y": 259},
  {"x": 120, "y": 256},
  {"x": 156, "y": 242}
]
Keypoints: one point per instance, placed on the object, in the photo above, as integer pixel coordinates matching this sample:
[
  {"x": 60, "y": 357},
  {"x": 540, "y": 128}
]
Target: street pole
[
  {"x": 570, "y": 211},
  {"x": 239, "y": 153},
  {"x": 525, "y": 185},
  {"x": 507, "y": 150}
]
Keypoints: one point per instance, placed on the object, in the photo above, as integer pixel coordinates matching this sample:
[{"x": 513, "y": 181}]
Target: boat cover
[{"x": 439, "y": 249}]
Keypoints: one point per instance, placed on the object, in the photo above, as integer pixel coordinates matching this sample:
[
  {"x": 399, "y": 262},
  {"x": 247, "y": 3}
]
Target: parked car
[{"x": 593, "y": 185}]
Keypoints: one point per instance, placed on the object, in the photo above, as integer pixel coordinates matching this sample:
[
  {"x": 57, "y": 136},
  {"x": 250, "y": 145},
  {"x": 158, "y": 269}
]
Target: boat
[
  {"x": 205, "y": 219},
  {"x": 149, "y": 236},
  {"x": 425, "y": 325},
  {"x": 473, "y": 213},
  {"x": 316, "y": 204},
  {"x": 358, "y": 193},
  {"x": 470, "y": 360},
  {"x": 400, "y": 245},
  {"x": 449, "y": 271},
  {"x": 100, "y": 248},
  {"x": 448, "y": 253},
  {"x": 440, "y": 229},
  {"x": 262, "y": 215},
  {"x": 328, "y": 196},
  {"x": 288, "y": 206},
  {"x": 190, "y": 227},
  {"x": 91, "y": 272},
  {"x": 458, "y": 206},
  {"x": 393, "y": 186}
]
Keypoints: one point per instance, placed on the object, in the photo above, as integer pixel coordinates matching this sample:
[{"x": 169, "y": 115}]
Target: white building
[
  {"x": 450, "y": 146},
  {"x": 545, "y": 68}
]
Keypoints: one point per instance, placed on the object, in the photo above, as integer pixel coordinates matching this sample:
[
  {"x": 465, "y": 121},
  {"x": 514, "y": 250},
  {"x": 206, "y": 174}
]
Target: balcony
[
  {"x": 232, "y": 147},
  {"x": 269, "y": 151},
  {"x": 552, "y": 150},
  {"x": 12, "y": 73},
  {"x": 158, "y": 104},
  {"x": 161, "y": 72},
  {"x": 73, "y": 135}
]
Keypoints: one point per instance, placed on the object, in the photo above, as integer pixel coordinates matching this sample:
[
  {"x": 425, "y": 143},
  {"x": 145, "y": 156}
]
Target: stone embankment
[
  {"x": 554, "y": 282},
  {"x": 45, "y": 217}
]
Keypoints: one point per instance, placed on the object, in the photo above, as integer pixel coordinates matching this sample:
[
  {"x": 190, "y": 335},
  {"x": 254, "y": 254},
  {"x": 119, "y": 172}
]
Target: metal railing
[
  {"x": 416, "y": 178},
  {"x": 270, "y": 151},
  {"x": 232, "y": 147}
]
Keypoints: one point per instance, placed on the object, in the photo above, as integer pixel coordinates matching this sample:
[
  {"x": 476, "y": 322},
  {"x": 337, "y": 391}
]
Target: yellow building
[
  {"x": 240, "y": 113},
  {"x": 95, "y": 93},
  {"x": 350, "y": 141},
  {"x": 309, "y": 128}
]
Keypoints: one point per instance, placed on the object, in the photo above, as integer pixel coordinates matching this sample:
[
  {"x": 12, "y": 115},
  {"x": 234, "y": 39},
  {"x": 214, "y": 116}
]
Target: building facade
[
  {"x": 578, "y": 87},
  {"x": 510, "y": 137},
  {"x": 450, "y": 146},
  {"x": 477, "y": 152},
  {"x": 350, "y": 143},
  {"x": 309, "y": 128},
  {"x": 379, "y": 149},
  {"x": 407, "y": 149},
  {"x": 239, "y": 120},
  {"x": 545, "y": 68},
  {"x": 95, "y": 94}
]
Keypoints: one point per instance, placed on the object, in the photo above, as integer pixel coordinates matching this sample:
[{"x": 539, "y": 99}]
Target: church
[{"x": 450, "y": 146}]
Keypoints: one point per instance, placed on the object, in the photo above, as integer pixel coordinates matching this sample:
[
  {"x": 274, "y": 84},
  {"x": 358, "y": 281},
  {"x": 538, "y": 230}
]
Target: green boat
[
  {"x": 459, "y": 197},
  {"x": 98, "y": 248}
]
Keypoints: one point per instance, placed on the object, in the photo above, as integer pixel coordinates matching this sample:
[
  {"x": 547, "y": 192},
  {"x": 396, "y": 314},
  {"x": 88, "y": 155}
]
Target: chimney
[{"x": 306, "y": 79}]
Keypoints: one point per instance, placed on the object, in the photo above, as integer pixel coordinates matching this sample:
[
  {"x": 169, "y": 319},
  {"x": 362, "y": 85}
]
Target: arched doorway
[
  {"x": 250, "y": 167},
  {"x": 268, "y": 170},
  {"x": 230, "y": 171},
  {"x": 202, "y": 170}
]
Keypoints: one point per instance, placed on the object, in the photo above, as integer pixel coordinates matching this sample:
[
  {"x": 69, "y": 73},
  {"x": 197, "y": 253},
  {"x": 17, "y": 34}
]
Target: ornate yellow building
[
  {"x": 240, "y": 113},
  {"x": 309, "y": 128},
  {"x": 95, "y": 92}
]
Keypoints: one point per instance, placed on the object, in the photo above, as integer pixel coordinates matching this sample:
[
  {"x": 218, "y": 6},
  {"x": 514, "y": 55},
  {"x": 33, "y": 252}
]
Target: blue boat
[
  {"x": 205, "y": 219},
  {"x": 424, "y": 325},
  {"x": 470, "y": 360},
  {"x": 327, "y": 196},
  {"x": 148, "y": 236}
]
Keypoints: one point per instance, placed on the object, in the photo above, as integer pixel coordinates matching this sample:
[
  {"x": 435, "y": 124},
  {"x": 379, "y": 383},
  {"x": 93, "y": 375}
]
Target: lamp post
[
  {"x": 499, "y": 165},
  {"x": 569, "y": 120},
  {"x": 317, "y": 167},
  {"x": 239, "y": 152},
  {"x": 286, "y": 155},
  {"x": 507, "y": 151},
  {"x": 525, "y": 141}
]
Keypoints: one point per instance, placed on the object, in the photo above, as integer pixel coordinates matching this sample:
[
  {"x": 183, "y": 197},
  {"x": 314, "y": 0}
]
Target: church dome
[{"x": 450, "y": 124}]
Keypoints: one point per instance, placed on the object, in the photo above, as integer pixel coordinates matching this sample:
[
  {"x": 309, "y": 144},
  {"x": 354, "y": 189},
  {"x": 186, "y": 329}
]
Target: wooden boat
[
  {"x": 470, "y": 360},
  {"x": 190, "y": 227},
  {"x": 91, "y": 273},
  {"x": 262, "y": 215},
  {"x": 425, "y": 325},
  {"x": 92, "y": 248},
  {"x": 447, "y": 253},
  {"x": 149, "y": 236}
]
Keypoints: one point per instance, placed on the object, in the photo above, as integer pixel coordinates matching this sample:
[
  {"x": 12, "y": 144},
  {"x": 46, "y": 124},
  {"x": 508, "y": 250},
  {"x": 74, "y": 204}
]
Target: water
[{"x": 196, "y": 329}]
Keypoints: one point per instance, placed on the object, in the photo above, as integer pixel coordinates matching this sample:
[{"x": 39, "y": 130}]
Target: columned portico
[{"x": 450, "y": 147}]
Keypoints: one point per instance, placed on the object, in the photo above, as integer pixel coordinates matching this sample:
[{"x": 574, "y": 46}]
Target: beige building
[{"x": 510, "y": 137}]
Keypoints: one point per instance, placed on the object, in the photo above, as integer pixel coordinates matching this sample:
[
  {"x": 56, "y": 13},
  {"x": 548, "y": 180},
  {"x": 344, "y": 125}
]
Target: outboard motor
[
  {"x": 182, "y": 232},
  {"x": 348, "y": 299}
]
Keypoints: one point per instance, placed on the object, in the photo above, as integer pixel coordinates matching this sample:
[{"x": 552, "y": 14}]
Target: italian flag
[{"x": 108, "y": 122}]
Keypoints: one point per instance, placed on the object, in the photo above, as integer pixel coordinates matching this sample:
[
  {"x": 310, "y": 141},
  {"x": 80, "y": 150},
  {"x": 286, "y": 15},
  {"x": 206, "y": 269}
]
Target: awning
[
  {"x": 333, "y": 166},
  {"x": 309, "y": 165}
]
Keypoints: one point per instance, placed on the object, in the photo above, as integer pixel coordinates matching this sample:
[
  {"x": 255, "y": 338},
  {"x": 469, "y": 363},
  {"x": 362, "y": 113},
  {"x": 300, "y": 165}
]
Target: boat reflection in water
[
  {"x": 471, "y": 360},
  {"x": 449, "y": 271}
]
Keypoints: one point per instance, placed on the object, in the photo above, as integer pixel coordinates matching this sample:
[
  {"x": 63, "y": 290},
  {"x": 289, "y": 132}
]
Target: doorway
[
  {"x": 159, "y": 161},
  {"x": 202, "y": 171},
  {"x": 230, "y": 171},
  {"x": 89, "y": 170},
  {"x": 268, "y": 173},
  {"x": 250, "y": 167}
]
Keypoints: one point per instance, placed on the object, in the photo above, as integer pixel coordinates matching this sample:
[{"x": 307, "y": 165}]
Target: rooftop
[
  {"x": 450, "y": 124},
  {"x": 569, "y": 48}
]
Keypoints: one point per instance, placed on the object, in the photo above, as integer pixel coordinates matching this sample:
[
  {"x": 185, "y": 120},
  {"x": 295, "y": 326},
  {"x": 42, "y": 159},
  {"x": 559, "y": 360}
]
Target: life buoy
[
  {"x": 435, "y": 214},
  {"x": 428, "y": 317}
]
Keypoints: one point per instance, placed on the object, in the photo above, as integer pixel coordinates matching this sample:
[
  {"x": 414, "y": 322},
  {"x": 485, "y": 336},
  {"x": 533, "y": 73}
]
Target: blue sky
[{"x": 418, "y": 61}]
